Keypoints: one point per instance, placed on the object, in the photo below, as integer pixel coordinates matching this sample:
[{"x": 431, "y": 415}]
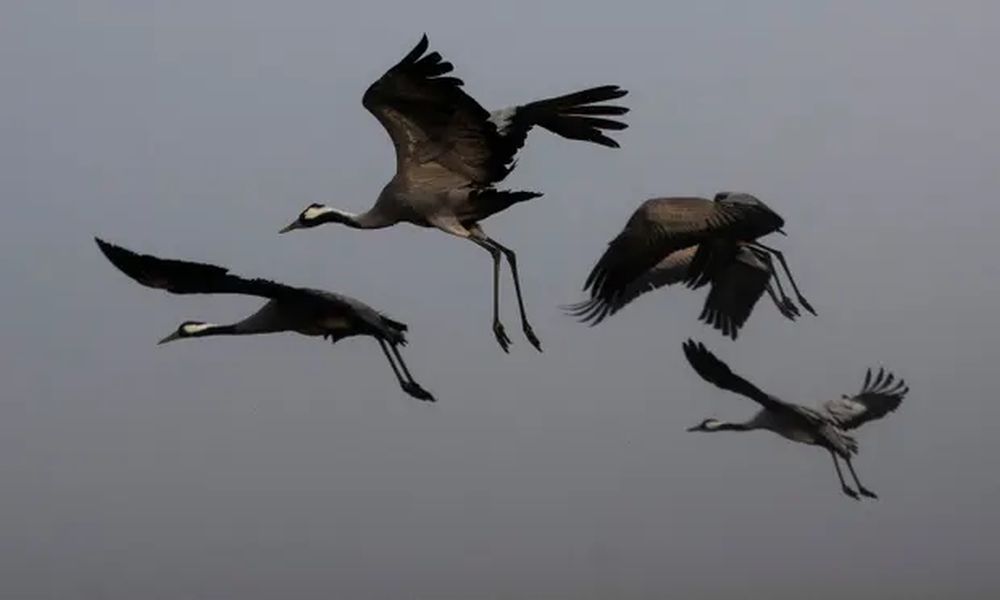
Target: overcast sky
[{"x": 282, "y": 467}]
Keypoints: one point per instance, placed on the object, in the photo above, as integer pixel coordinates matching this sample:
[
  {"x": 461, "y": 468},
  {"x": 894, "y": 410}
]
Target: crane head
[
  {"x": 186, "y": 330},
  {"x": 707, "y": 425},
  {"x": 311, "y": 216}
]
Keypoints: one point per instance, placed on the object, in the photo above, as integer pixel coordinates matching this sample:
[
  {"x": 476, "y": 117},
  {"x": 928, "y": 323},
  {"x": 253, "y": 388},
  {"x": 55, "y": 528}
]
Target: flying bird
[
  {"x": 451, "y": 153},
  {"x": 695, "y": 241},
  {"x": 302, "y": 310},
  {"x": 826, "y": 426}
]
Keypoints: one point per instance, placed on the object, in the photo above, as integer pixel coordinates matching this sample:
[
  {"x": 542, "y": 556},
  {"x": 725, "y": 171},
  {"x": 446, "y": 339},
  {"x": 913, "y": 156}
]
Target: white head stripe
[{"x": 314, "y": 211}]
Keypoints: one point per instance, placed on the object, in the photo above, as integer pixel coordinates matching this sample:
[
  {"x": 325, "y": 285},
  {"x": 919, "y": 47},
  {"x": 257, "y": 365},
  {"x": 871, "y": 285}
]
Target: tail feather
[{"x": 396, "y": 330}]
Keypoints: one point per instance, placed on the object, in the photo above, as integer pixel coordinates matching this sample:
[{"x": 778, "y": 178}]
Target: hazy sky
[{"x": 282, "y": 467}]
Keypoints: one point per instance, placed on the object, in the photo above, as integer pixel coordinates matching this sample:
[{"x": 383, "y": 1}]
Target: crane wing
[
  {"x": 183, "y": 277},
  {"x": 659, "y": 227},
  {"x": 430, "y": 118},
  {"x": 672, "y": 269},
  {"x": 735, "y": 291},
  {"x": 435, "y": 125},
  {"x": 878, "y": 397},
  {"x": 716, "y": 372}
]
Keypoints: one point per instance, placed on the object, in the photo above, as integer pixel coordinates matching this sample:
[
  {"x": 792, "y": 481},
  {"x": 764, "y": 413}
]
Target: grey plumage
[
  {"x": 451, "y": 153},
  {"x": 825, "y": 427},
  {"x": 695, "y": 241},
  {"x": 302, "y": 310}
]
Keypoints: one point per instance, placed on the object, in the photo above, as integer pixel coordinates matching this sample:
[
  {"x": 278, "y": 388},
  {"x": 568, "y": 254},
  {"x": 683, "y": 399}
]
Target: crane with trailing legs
[
  {"x": 826, "y": 426},
  {"x": 695, "y": 241},
  {"x": 451, "y": 153},
  {"x": 301, "y": 310}
]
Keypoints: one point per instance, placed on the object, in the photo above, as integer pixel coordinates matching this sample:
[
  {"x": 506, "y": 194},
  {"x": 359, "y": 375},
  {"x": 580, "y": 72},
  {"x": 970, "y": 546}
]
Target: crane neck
[
  {"x": 734, "y": 427},
  {"x": 371, "y": 219}
]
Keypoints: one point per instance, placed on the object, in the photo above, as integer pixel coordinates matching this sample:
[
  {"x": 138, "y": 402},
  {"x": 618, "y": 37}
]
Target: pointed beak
[
  {"x": 782, "y": 232},
  {"x": 290, "y": 227},
  {"x": 695, "y": 428},
  {"x": 173, "y": 336}
]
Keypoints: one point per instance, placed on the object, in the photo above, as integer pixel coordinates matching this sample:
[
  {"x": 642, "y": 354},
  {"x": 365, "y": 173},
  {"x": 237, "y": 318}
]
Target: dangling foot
[
  {"x": 789, "y": 309},
  {"x": 867, "y": 493},
  {"x": 413, "y": 388},
  {"x": 501, "y": 335},
  {"x": 851, "y": 493},
  {"x": 530, "y": 334},
  {"x": 805, "y": 304}
]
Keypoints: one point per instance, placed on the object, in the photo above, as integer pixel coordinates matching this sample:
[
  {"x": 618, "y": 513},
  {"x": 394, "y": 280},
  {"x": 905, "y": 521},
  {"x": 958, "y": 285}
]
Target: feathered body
[{"x": 826, "y": 426}]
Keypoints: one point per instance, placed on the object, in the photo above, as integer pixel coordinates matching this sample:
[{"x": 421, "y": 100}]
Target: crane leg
[
  {"x": 784, "y": 265},
  {"x": 415, "y": 388},
  {"x": 481, "y": 240},
  {"x": 512, "y": 261},
  {"x": 785, "y": 305},
  {"x": 787, "y": 310},
  {"x": 840, "y": 475},
  {"x": 864, "y": 491},
  {"x": 409, "y": 386},
  {"x": 774, "y": 289}
]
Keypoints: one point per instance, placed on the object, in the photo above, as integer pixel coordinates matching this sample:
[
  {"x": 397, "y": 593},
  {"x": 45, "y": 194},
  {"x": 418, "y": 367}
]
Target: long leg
[
  {"x": 791, "y": 279},
  {"x": 498, "y": 329},
  {"x": 512, "y": 261},
  {"x": 786, "y": 310},
  {"x": 392, "y": 363},
  {"x": 409, "y": 386},
  {"x": 843, "y": 484},
  {"x": 778, "y": 295},
  {"x": 415, "y": 388},
  {"x": 785, "y": 305},
  {"x": 861, "y": 488}
]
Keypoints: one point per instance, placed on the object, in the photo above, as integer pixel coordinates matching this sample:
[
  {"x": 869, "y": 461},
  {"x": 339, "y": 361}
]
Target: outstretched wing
[
  {"x": 735, "y": 291},
  {"x": 430, "y": 118},
  {"x": 877, "y": 398},
  {"x": 719, "y": 374},
  {"x": 660, "y": 227},
  {"x": 442, "y": 134},
  {"x": 183, "y": 277},
  {"x": 668, "y": 271}
]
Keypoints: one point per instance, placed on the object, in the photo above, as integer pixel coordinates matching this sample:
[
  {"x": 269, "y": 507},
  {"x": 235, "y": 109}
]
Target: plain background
[{"x": 282, "y": 467}]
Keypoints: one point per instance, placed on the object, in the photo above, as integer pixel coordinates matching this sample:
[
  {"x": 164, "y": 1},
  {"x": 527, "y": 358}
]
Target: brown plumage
[
  {"x": 451, "y": 153},
  {"x": 694, "y": 241}
]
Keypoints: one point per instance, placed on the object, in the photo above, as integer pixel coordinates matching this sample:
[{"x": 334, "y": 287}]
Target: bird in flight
[
  {"x": 695, "y": 241},
  {"x": 451, "y": 153},
  {"x": 302, "y": 310},
  {"x": 826, "y": 426}
]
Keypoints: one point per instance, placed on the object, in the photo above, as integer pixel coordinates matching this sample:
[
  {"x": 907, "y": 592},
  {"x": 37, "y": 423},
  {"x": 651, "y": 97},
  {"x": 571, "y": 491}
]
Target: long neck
[
  {"x": 734, "y": 427},
  {"x": 371, "y": 219}
]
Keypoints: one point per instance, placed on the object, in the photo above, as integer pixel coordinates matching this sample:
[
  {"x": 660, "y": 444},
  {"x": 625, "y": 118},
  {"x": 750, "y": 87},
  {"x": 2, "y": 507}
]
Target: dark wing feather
[
  {"x": 877, "y": 398},
  {"x": 576, "y": 116},
  {"x": 668, "y": 271},
  {"x": 734, "y": 293},
  {"x": 718, "y": 373},
  {"x": 662, "y": 226},
  {"x": 183, "y": 277},
  {"x": 430, "y": 118}
]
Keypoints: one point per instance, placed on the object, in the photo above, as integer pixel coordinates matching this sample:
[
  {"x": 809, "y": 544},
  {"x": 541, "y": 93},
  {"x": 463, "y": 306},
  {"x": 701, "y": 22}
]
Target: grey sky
[{"x": 281, "y": 467}]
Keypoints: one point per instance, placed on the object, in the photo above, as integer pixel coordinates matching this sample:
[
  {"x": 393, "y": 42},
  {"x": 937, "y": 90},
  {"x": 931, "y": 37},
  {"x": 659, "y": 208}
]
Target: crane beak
[
  {"x": 695, "y": 428},
  {"x": 781, "y": 231},
  {"x": 290, "y": 227},
  {"x": 173, "y": 336}
]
